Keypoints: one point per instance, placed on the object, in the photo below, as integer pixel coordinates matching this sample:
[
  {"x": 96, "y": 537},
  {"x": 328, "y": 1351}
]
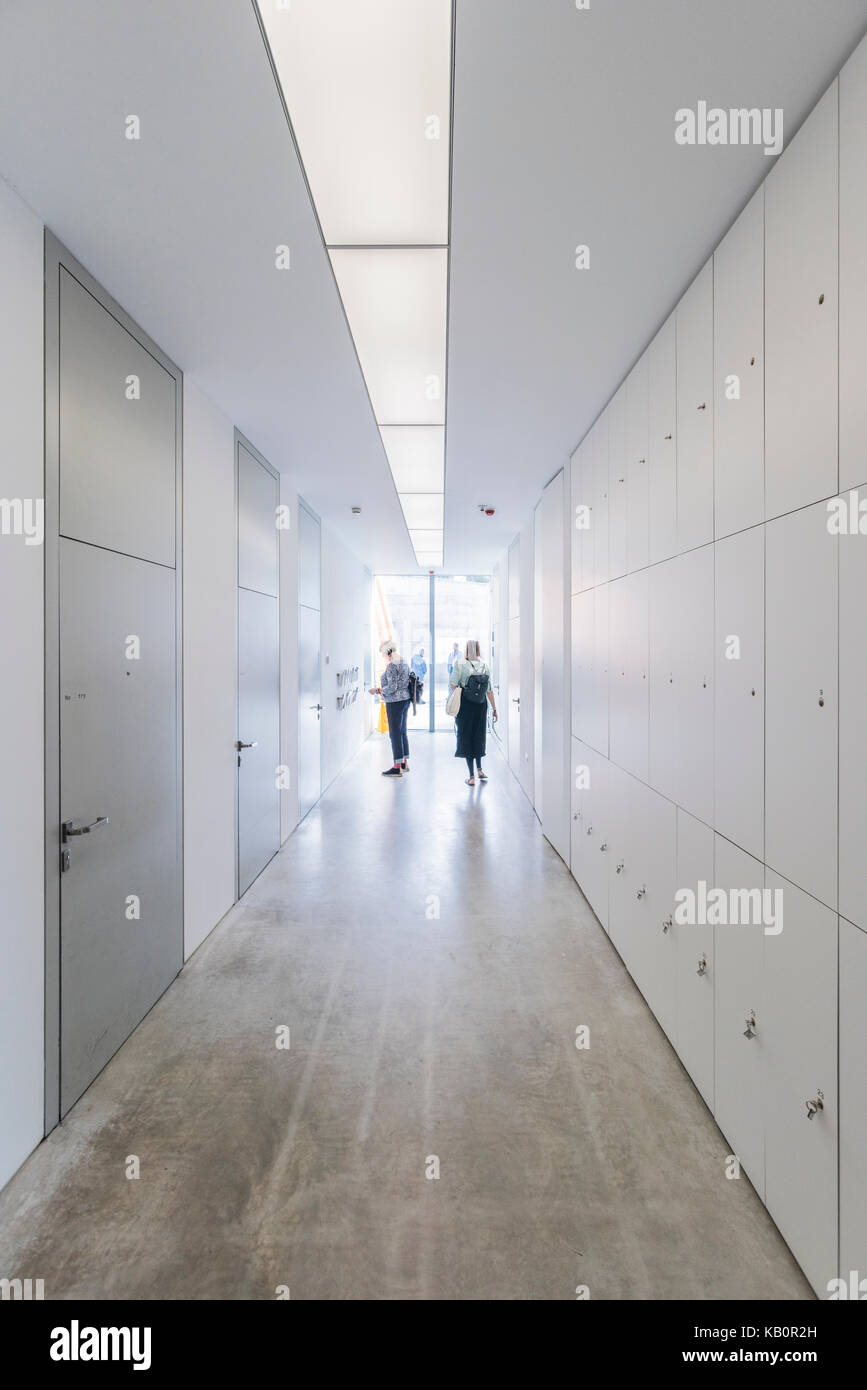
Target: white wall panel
[
  {"x": 696, "y": 974},
  {"x": 695, "y": 397},
  {"x": 583, "y": 641},
  {"x": 740, "y": 995},
  {"x": 628, "y": 672},
  {"x": 739, "y": 699},
  {"x": 852, "y": 556},
  {"x": 694, "y": 683},
  {"x": 556, "y": 668},
  {"x": 638, "y": 470},
  {"x": 22, "y": 627},
  {"x": 527, "y": 738},
  {"x": 209, "y": 591},
  {"x": 597, "y": 461},
  {"x": 739, "y": 372},
  {"x": 595, "y": 827},
  {"x": 578, "y": 516},
  {"x": 618, "y": 483},
  {"x": 801, "y": 229},
  {"x": 662, "y": 445},
  {"x": 598, "y": 722},
  {"x": 853, "y": 270},
  {"x": 853, "y": 1101},
  {"x": 665, "y": 653},
  {"x": 799, "y": 1053},
  {"x": 801, "y": 701}
]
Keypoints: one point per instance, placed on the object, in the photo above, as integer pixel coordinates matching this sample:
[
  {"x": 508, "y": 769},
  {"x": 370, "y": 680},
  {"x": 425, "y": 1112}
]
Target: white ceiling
[{"x": 563, "y": 133}]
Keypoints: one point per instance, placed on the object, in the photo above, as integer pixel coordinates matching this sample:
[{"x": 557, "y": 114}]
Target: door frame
[
  {"x": 56, "y": 258},
  {"x": 314, "y": 516},
  {"x": 239, "y": 441}
]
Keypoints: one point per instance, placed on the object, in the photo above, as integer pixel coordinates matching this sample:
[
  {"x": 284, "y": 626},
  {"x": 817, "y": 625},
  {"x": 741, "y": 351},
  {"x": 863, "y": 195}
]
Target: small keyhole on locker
[
  {"x": 821, "y": 299},
  {"x": 752, "y": 361}
]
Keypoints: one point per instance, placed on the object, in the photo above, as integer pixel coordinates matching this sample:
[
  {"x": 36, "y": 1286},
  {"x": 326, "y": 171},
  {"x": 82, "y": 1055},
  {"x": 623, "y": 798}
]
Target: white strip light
[{"x": 367, "y": 84}]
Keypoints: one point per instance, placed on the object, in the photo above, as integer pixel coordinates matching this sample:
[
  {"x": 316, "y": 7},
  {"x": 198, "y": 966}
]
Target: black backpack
[{"x": 476, "y": 688}]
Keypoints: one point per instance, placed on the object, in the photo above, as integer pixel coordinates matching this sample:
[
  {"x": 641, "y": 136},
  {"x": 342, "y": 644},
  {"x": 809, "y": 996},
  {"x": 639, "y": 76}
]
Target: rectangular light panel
[
  {"x": 368, "y": 88},
  {"x": 416, "y": 456},
  {"x": 395, "y": 301}
]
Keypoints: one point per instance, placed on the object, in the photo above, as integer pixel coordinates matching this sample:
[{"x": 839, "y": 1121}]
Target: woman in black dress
[{"x": 471, "y": 721}]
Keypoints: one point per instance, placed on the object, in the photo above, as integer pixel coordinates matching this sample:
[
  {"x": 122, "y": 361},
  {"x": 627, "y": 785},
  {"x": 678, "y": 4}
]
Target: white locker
[
  {"x": 628, "y": 663},
  {"x": 739, "y": 372},
  {"x": 800, "y": 1080},
  {"x": 596, "y": 458},
  {"x": 801, "y": 227},
  {"x": 579, "y": 521},
  {"x": 583, "y": 634},
  {"x": 637, "y": 426},
  {"x": 664, "y": 732},
  {"x": 595, "y": 826},
  {"x": 852, "y": 554},
  {"x": 694, "y": 683},
  {"x": 578, "y": 776},
  {"x": 695, "y": 958},
  {"x": 739, "y": 703},
  {"x": 739, "y": 1022},
  {"x": 853, "y": 270},
  {"x": 801, "y": 701},
  {"x": 618, "y": 474},
  {"x": 597, "y": 723},
  {"x": 662, "y": 443},
  {"x": 624, "y": 856},
  {"x": 695, "y": 395},
  {"x": 853, "y": 1101},
  {"x": 657, "y": 941}
]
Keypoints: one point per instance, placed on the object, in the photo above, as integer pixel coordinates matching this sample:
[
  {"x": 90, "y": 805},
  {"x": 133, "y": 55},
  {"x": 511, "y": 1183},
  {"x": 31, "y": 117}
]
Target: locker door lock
[
  {"x": 603, "y": 846},
  {"x": 750, "y": 1030},
  {"x": 619, "y": 868},
  {"x": 642, "y": 892},
  {"x": 667, "y": 923},
  {"x": 813, "y": 1106},
  {"x": 590, "y": 830},
  {"x": 702, "y": 965},
  {"x": 65, "y": 858}
]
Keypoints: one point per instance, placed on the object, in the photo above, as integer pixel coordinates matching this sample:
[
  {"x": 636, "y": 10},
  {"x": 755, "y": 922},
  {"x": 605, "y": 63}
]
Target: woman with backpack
[{"x": 472, "y": 676}]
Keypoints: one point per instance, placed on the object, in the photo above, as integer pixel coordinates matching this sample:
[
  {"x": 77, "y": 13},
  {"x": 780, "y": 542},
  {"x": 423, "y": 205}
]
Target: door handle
[
  {"x": 69, "y": 828},
  {"x": 239, "y": 745},
  {"x": 314, "y": 707},
  {"x": 516, "y": 699}
]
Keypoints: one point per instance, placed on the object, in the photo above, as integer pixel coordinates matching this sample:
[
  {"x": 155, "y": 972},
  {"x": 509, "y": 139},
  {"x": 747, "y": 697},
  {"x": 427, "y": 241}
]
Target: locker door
[
  {"x": 739, "y": 998},
  {"x": 739, "y": 706},
  {"x": 695, "y": 959},
  {"x": 579, "y": 517},
  {"x": 583, "y": 611},
  {"x": 662, "y": 443},
  {"x": 629, "y": 683},
  {"x": 739, "y": 386},
  {"x": 598, "y": 443},
  {"x": 623, "y": 857},
  {"x": 800, "y": 1065},
  {"x": 618, "y": 473},
  {"x": 664, "y": 606},
  {"x": 695, "y": 412},
  {"x": 658, "y": 940},
  {"x": 801, "y": 701},
  {"x": 853, "y": 1100},
  {"x": 694, "y": 684},
  {"x": 594, "y": 857},
  {"x": 597, "y": 729},
  {"x": 853, "y": 270},
  {"x": 801, "y": 228},
  {"x": 853, "y": 727},
  {"x": 638, "y": 474},
  {"x": 579, "y": 770}
]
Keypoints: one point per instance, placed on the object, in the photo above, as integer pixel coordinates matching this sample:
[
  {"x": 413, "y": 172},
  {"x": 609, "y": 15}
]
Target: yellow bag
[{"x": 383, "y": 718}]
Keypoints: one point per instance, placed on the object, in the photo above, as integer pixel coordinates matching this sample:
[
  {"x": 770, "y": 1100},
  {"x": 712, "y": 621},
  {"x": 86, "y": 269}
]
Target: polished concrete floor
[{"x": 432, "y": 958}]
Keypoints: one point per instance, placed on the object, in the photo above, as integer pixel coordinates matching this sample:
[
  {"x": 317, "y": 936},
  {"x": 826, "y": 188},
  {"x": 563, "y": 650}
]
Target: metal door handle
[
  {"x": 69, "y": 827},
  {"x": 814, "y": 1106},
  {"x": 239, "y": 745},
  {"x": 516, "y": 699},
  {"x": 314, "y": 707}
]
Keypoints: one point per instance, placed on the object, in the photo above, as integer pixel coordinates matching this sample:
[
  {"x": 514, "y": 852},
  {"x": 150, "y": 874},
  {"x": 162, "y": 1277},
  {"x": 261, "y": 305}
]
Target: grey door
[
  {"x": 258, "y": 732},
  {"x": 309, "y": 663},
  {"x": 118, "y": 841}
]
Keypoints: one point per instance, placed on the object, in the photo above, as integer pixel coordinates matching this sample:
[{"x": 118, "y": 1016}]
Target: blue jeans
[{"x": 397, "y": 711}]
